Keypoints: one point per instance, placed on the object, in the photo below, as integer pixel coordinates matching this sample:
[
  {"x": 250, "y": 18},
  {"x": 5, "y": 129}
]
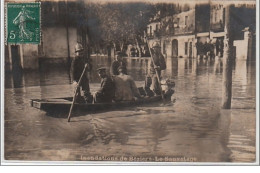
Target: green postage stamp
[{"x": 23, "y": 23}]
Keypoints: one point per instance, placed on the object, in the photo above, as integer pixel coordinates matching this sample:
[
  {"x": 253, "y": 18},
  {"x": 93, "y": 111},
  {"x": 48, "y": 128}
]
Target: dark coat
[
  {"x": 77, "y": 67},
  {"x": 107, "y": 90},
  {"x": 115, "y": 65},
  {"x": 158, "y": 61}
]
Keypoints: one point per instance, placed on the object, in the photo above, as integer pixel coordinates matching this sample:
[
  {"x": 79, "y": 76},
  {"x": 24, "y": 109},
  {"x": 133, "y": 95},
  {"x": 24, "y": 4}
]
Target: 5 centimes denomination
[{"x": 23, "y": 23}]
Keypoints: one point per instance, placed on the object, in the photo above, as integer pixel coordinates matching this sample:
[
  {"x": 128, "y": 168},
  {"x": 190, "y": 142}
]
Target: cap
[
  {"x": 156, "y": 44},
  {"x": 101, "y": 69},
  {"x": 78, "y": 47}
]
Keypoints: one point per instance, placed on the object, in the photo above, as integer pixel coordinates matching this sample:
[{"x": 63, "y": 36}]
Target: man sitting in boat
[
  {"x": 125, "y": 87},
  {"x": 118, "y": 62},
  {"x": 107, "y": 90},
  {"x": 167, "y": 87},
  {"x": 147, "y": 89}
]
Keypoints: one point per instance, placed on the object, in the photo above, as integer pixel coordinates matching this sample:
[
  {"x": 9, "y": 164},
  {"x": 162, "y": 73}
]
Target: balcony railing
[
  {"x": 184, "y": 30},
  {"x": 171, "y": 31}
]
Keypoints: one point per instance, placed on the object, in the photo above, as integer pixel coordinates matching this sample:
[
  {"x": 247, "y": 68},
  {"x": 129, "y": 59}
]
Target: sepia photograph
[{"x": 152, "y": 82}]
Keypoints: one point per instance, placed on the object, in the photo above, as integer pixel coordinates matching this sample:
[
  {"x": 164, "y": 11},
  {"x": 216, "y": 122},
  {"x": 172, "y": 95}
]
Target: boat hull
[{"x": 60, "y": 105}]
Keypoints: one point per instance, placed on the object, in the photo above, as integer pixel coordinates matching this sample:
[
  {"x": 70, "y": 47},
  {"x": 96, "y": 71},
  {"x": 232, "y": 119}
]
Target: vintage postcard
[{"x": 163, "y": 82}]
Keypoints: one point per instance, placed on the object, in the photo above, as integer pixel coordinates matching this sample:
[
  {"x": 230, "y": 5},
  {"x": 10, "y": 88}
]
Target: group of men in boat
[{"x": 119, "y": 86}]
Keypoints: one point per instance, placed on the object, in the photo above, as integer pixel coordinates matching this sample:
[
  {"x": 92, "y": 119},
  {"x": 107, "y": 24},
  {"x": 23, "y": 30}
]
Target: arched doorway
[{"x": 174, "y": 48}]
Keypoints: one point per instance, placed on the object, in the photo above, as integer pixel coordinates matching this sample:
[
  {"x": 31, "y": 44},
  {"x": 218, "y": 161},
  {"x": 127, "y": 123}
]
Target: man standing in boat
[
  {"x": 106, "y": 92},
  {"x": 158, "y": 64},
  {"x": 119, "y": 62},
  {"x": 77, "y": 66}
]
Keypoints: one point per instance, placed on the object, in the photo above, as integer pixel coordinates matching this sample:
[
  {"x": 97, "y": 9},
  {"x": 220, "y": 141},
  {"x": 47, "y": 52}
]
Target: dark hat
[{"x": 101, "y": 69}]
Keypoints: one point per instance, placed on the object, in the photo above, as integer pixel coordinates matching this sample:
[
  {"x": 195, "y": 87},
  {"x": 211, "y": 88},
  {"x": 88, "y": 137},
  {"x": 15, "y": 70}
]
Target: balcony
[
  {"x": 184, "y": 30},
  {"x": 217, "y": 26}
]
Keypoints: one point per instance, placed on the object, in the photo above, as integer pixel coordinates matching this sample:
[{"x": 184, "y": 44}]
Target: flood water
[{"x": 192, "y": 127}]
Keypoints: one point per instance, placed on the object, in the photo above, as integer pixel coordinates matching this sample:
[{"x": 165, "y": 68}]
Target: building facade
[{"x": 200, "y": 31}]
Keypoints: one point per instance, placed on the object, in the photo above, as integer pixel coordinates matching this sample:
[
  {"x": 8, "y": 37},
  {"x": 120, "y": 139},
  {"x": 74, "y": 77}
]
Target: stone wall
[
  {"x": 244, "y": 47},
  {"x": 55, "y": 43},
  {"x": 29, "y": 56}
]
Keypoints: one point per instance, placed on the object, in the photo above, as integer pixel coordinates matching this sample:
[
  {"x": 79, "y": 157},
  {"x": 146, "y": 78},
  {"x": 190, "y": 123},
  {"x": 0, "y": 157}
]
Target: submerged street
[{"x": 193, "y": 126}]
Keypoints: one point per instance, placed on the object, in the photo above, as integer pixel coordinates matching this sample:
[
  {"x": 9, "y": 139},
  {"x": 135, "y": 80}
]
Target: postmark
[{"x": 23, "y": 23}]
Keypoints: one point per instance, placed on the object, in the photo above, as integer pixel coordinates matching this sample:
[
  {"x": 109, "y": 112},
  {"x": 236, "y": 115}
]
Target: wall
[
  {"x": 190, "y": 23},
  {"x": 55, "y": 42},
  {"x": 8, "y": 58},
  {"x": 181, "y": 45},
  {"x": 168, "y": 48},
  {"x": 244, "y": 47},
  {"x": 241, "y": 49},
  {"x": 217, "y": 18},
  {"x": 29, "y": 56}
]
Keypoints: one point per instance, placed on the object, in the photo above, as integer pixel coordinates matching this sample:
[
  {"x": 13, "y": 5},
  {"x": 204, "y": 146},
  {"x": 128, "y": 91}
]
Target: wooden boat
[{"x": 63, "y": 104}]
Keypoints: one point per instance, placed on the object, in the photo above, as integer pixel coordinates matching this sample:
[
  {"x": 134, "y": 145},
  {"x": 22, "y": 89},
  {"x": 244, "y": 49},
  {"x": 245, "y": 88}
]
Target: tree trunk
[
  {"x": 121, "y": 46},
  {"x": 227, "y": 63},
  {"x": 114, "y": 49}
]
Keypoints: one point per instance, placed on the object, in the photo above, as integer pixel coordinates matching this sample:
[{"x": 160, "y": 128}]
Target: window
[
  {"x": 164, "y": 47},
  {"x": 186, "y": 20},
  {"x": 178, "y": 22},
  {"x": 186, "y": 48}
]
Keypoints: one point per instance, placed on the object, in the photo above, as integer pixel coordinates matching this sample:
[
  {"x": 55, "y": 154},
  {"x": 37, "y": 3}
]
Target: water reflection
[
  {"x": 194, "y": 126},
  {"x": 241, "y": 73}
]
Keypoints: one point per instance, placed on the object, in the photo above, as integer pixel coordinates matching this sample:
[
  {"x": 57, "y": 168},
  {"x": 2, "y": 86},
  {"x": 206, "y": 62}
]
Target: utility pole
[{"x": 227, "y": 62}]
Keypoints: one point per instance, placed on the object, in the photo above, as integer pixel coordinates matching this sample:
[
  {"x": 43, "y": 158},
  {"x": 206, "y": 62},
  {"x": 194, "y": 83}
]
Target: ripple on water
[{"x": 193, "y": 126}]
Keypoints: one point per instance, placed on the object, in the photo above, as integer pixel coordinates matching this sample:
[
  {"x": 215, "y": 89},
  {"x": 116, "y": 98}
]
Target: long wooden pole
[
  {"x": 67, "y": 32},
  {"x": 156, "y": 72},
  {"x": 227, "y": 63},
  {"x": 76, "y": 92}
]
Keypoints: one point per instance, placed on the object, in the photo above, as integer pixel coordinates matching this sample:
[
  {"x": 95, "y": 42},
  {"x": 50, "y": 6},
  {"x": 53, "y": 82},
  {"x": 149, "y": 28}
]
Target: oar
[
  {"x": 76, "y": 92},
  {"x": 156, "y": 72}
]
